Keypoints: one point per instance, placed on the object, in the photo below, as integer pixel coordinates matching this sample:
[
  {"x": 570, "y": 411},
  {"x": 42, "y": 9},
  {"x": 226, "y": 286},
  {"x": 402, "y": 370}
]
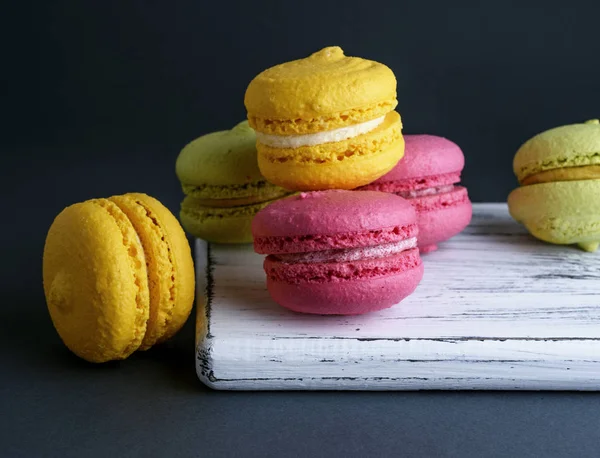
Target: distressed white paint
[{"x": 496, "y": 310}]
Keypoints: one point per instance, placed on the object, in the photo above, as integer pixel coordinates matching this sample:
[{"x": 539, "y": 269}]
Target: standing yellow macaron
[
  {"x": 559, "y": 197},
  {"x": 118, "y": 276},
  {"x": 325, "y": 122}
]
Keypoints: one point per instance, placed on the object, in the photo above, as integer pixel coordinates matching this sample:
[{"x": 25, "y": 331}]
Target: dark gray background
[{"x": 98, "y": 98}]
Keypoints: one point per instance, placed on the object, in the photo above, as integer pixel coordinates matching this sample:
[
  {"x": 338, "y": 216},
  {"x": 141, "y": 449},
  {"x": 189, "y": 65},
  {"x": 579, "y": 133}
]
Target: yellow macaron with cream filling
[{"x": 325, "y": 122}]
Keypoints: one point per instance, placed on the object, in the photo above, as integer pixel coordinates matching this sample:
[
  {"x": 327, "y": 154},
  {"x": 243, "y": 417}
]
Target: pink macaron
[
  {"x": 339, "y": 252},
  {"x": 427, "y": 177}
]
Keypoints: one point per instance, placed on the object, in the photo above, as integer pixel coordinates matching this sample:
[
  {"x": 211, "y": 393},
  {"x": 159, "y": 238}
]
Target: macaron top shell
[
  {"x": 573, "y": 145},
  {"x": 224, "y": 158},
  {"x": 93, "y": 260},
  {"x": 332, "y": 212},
  {"x": 323, "y": 84},
  {"x": 426, "y": 155}
]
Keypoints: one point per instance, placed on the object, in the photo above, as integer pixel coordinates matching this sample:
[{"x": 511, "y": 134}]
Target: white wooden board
[{"x": 496, "y": 310}]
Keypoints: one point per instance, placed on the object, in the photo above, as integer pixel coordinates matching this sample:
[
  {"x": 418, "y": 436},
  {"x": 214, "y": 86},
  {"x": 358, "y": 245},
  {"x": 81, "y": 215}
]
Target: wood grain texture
[{"x": 496, "y": 309}]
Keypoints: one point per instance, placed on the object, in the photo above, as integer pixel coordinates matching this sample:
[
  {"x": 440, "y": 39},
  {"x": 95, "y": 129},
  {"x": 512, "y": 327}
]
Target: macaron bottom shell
[
  {"x": 344, "y": 288},
  {"x": 344, "y": 173},
  {"x": 349, "y": 297},
  {"x": 219, "y": 225},
  {"x": 563, "y": 213}
]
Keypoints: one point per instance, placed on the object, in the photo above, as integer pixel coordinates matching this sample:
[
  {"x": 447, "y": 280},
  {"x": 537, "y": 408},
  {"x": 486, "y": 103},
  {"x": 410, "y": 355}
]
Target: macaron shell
[
  {"x": 349, "y": 297},
  {"x": 326, "y": 87},
  {"x": 424, "y": 156},
  {"x": 161, "y": 273},
  {"x": 95, "y": 281},
  {"x": 225, "y": 158},
  {"x": 219, "y": 225},
  {"x": 332, "y": 212},
  {"x": 344, "y": 173},
  {"x": 441, "y": 217},
  {"x": 573, "y": 145},
  {"x": 563, "y": 212},
  {"x": 175, "y": 310}
]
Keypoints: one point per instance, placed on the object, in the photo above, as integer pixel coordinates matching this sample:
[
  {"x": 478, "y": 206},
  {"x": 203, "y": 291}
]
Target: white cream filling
[
  {"x": 330, "y": 136},
  {"x": 351, "y": 254},
  {"x": 426, "y": 191}
]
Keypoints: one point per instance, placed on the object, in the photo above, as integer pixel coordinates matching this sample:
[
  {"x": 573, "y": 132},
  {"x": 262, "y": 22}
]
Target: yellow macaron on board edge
[
  {"x": 118, "y": 276},
  {"x": 325, "y": 122},
  {"x": 559, "y": 197}
]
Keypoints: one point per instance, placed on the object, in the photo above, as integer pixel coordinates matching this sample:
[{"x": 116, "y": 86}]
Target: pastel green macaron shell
[
  {"x": 219, "y": 225},
  {"x": 573, "y": 145},
  {"x": 224, "y": 165},
  {"x": 563, "y": 212},
  {"x": 221, "y": 158}
]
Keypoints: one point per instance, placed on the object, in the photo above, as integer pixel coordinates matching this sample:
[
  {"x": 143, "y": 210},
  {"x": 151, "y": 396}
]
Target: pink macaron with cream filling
[
  {"x": 427, "y": 177},
  {"x": 339, "y": 252}
]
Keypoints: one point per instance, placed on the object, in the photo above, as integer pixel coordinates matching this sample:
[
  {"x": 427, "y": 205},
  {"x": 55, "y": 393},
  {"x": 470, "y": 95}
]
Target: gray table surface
[{"x": 53, "y": 404}]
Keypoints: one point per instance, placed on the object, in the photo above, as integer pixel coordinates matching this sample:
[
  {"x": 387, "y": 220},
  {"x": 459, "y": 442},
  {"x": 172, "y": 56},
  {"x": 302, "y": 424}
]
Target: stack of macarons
[
  {"x": 325, "y": 122},
  {"x": 559, "y": 197},
  {"x": 326, "y": 125},
  {"x": 223, "y": 186}
]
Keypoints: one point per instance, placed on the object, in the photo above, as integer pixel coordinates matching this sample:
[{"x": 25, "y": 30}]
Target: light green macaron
[
  {"x": 224, "y": 187},
  {"x": 559, "y": 197}
]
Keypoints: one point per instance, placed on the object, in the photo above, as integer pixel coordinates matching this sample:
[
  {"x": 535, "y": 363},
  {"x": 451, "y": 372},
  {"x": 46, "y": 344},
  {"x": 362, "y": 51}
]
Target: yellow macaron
[
  {"x": 559, "y": 172},
  {"x": 118, "y": 276},
  {"x": 325, "y": 122}
]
